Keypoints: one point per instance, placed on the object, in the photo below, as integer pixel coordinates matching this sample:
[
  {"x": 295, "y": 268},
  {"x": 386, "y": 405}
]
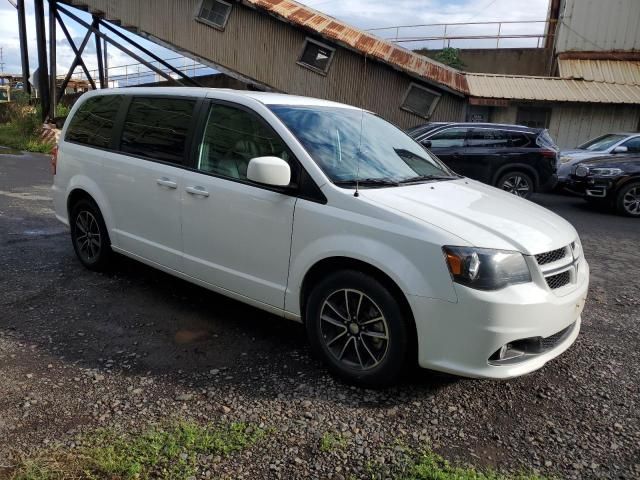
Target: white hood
[{"x": 481, "y": 215}]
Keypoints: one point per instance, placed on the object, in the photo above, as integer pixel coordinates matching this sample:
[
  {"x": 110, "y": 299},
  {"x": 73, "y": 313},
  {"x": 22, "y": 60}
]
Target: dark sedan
[
  {"x": 520, "y": 160},
  {"x": 611, "y": 180}
]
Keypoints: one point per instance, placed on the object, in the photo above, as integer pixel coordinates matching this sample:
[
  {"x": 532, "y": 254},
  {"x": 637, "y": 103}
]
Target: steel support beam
[
  {"x": 43, "y": 71},
  {"x": 151, "y": 54},
  {"x": 52, "y": 59},
  {"x": 93, "y": 29},
  {"x": 24, "y": 47},
  {"x": 96, "y": 22},
  {"x": 78, "y": 54},
  {"x": 75, "y": 63}
]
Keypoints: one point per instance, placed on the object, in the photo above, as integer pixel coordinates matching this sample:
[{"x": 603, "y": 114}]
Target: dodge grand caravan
[{"x": 327, "y": 215}]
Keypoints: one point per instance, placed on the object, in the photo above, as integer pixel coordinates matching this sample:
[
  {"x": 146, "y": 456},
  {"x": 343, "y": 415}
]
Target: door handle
[
  {"x": 166, "y": 182},
  {"x": 197, "y": 190}
]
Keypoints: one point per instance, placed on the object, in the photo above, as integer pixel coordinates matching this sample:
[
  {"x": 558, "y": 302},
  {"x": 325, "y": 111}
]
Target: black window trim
[
  {"x": 320, "y": 71},
  {"x": 433, "y": 105},
  {"x": 301, "y": 187},
  {"x": 209, "y": 23}
]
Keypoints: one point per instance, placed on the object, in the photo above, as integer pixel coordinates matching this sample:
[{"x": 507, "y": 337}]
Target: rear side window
[
  {"x": 488, "y": 138},
  {"x": 93, "y": 123},
  {"x": 156, "y": 127}
]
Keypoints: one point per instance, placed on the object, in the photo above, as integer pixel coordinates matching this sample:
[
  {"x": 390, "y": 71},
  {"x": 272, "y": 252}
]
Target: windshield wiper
[
  {"x": 368, "y": 182},
  {"x": 423, "y": 178}
]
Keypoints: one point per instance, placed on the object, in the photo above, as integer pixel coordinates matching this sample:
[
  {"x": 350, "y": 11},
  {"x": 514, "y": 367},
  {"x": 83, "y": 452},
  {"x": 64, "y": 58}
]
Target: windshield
[
  {"x": 602, "y": 143},
  {"x": 381, "y": 154}
]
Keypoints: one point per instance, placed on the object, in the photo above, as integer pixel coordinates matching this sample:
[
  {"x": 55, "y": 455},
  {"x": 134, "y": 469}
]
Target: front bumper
[
  {"x": 462, "y": 337},
  {"x": 592, "y": 187}
]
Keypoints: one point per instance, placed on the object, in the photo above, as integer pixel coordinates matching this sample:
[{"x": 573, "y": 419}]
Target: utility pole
[{"x": 1, "y": 59}]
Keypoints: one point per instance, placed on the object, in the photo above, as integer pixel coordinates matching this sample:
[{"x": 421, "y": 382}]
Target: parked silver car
[{"x": 603, "y": 146}]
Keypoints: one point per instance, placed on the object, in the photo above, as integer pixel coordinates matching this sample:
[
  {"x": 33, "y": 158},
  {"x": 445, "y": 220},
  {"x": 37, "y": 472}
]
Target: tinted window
[
  {"x": 602, "y": 143},
  {"x": 232, "y": 138},
  {"x": 452, "y": 137},
  {"x": 156, "y": 127},
  {"x": 488, "y": 138},
  {"x": 92, "y": 124},
  {"x": 633, "y": 145},
  {"x": 520, "y": 140}
]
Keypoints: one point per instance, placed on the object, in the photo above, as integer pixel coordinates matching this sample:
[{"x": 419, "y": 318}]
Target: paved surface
[{"x": 80, "y": 350}]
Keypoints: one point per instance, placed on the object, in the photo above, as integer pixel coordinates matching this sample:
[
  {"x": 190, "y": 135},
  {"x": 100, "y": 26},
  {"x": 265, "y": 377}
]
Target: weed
[{"x": 332, "y": 441}]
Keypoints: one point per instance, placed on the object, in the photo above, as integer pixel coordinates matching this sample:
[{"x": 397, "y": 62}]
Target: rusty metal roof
[
  {"x": 363, "y": 43},
  {"x": 611, "y": 71},
  {"x": 550, "y": 89}
]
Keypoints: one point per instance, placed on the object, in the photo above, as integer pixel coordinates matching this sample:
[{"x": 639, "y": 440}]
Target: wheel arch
[
  {"x": 336, "y": 263},
  {"x": 84, "y": 187}
]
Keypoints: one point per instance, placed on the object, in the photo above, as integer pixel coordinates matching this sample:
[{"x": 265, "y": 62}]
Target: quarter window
[
  {"x": 232, "y": 138},
  {"x": 93, "y": 122},
  {"x": 420, "y": 100},
  {"x": 156, "y": 127},
  {"x": 488, "y": 138},
  {"x": 520, "y": 140},
  {"x": 316, "y": 56},
  {"x": 452, "y": 137},
  {"x": 632, "y": 145},
  {"x": 215, "y": 12}
]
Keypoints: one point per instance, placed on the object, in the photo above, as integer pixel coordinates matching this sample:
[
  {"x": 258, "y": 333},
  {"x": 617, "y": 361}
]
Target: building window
[
  {"x": 316, "y": 56},
  {"x": 214, "y": 12},
  {"x": 534, "y": 117},
  {"x": 420, "y": 100}
]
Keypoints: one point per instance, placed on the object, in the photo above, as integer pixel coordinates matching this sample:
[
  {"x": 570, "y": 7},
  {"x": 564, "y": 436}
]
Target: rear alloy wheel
[
  {"x": 518, "y": 183},
  {"x": 89, "y": 235},
  {"x": 357, "y": 327},
  {"x": 628, "y": 200}
]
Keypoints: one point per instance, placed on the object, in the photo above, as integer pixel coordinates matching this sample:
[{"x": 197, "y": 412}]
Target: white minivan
[{"x": 327, "y": 215}]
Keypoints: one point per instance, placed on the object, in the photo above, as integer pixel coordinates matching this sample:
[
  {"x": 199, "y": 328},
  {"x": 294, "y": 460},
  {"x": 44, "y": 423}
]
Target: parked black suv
[
  {"x": 611, "y": 180},
  {"x": 520, "y": 160}
]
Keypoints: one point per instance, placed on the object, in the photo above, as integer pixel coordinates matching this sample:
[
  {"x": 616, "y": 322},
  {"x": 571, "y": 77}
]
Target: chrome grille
[
  {"x": 558, "y": 280},
  {"x": 552, "y": 256}
]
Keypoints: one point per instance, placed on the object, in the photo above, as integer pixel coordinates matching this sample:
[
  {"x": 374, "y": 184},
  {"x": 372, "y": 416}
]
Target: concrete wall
[
  {"x": 263, "y": 49},
  {"x": 510, "y": 61}
]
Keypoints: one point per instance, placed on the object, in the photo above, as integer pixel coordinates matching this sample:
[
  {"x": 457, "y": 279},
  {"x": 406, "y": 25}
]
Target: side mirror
[
  {"x": 426, "y": 144},
  {"x": 620, "y": 150},
  {"x": 269, "y": 171}
]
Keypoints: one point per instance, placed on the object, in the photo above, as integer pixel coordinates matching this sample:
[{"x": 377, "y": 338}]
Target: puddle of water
[{"x": 10, "y": 151}]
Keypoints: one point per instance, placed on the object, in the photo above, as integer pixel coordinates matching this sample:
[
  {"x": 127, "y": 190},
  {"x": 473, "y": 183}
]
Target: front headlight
[
  {"x": 605, "y": 172},
  {"x": 582, "y": 171},
  {"x": 486, "y": 269}
]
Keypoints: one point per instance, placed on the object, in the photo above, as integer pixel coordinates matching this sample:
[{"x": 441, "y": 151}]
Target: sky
[{"x": 365, "y": 14}]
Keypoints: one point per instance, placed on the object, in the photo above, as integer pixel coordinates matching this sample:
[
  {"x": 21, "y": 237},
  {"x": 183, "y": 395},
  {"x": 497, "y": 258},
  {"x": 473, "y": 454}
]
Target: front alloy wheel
[
  {"x": 354, "y": 329},
  {"x": 629, "y": 200},
  {"x": 356, "y": 325},
  {"x": 517, "y": 183}
]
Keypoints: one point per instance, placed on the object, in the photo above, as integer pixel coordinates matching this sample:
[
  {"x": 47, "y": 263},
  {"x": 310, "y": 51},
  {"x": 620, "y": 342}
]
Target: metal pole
[
  {"x": 52, "y": 58},
  {"x": 498, "y": 37},
  {"x": 106, "y": 64},
  {"x": 24, "y": 50},
  {"x": 43, "y": 75},
  {"x": 96, "y": 22},
  {"x": 444, "y": 37}
]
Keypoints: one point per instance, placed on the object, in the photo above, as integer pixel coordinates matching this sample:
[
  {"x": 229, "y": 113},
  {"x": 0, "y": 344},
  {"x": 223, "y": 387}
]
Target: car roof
[
  {"x": 506, "y": 126},
  {"x": 266, "y": 98}
]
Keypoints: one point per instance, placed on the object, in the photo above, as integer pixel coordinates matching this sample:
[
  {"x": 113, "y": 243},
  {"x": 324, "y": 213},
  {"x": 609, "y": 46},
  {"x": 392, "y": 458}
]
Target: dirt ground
[{"x": 81, "y": 350}]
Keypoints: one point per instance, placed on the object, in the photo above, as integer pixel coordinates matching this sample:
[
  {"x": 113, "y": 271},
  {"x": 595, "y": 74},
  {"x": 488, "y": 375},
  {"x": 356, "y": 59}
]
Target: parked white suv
[{"x": 327, "y": 215}]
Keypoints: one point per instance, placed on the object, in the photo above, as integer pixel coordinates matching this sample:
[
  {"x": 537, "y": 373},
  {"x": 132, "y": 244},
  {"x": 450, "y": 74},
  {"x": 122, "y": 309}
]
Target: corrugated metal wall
[
  {"x": 264, "y": 49},
  {"x": 574, "y": 124},
  {"x": 594, "y": 25}
]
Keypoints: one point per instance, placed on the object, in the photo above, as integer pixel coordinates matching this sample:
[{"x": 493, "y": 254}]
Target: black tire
[
  {"x": 518, "y": 183},
  {"x": 628, "y": 200},
  {"x": 89, "y": 235},
  {"x": 368, "y": 359}
]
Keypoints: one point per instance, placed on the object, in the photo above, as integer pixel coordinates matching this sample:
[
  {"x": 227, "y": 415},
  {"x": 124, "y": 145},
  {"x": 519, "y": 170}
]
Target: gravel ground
[{"x": 80, "y": 350}]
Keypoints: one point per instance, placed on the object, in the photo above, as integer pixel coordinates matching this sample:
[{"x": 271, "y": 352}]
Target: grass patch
[
  {"x": 429, "y": 466},
  {"x": 12, "y": 137},
  {"x": 332, "y": 441},
  {"x": 174, "y": 452}
]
